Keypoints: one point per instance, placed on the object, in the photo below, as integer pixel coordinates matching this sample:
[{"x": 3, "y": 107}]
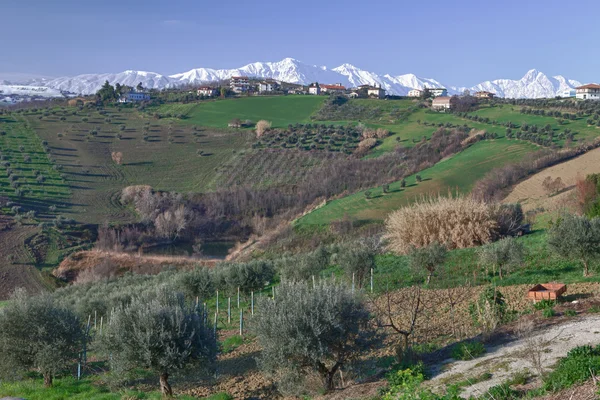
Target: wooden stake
[
  {"x": 241, "y": 321},
  {"x": 371, "y": 280},
  {"x": 238, "y": 299},
  {"x": 217, "y": 301},
  {"x": 252, "y": 302},
  {"x": 229, "y": 310}
]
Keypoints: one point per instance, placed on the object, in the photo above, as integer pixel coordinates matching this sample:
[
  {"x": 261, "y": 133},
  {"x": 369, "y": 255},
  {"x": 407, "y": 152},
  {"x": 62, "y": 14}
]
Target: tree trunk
[
  {"x": 47, "y": 380},
  {"x": 429, "y": 276},
  {"x": 586, "y": 271},
  {"x": 165, "y": 388},
  {"x": 500, "y": 272}
]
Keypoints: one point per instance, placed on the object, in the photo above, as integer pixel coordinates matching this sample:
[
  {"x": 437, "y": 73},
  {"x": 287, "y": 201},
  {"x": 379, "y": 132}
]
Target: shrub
[
  {"x": 428, "y": 258},
  {"x": 117, "y": 157},
  {"x": 579, "y": 365},
  {"x": 357, "y": 259},
  {"x": 501, "y": 392},
  {"x": 468, "y": 350},
  {"x": 250, "y": 276},
  {"x": 503, "y": 255},
  {"x": 303, "y": 267},
  {"x": 489, "y": 310},
  {"x": 157, "y": 332},
  {"x": 541, "y": 305},
  {"x": 458, "y": 222},
  {"x": 548, "y": 312},
  {"x": 35, "y": 333},
  {"x": 570, "y": 313},
  {"x": 576, "y": 237},
  {"x": 315, "y": 330},
  {"x": 196, "y": 283},
  {"x": 262, "y": 127}
]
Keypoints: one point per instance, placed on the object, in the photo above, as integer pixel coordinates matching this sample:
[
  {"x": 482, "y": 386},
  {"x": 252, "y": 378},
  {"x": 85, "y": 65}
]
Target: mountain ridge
[{"x": 533, "y": 84}]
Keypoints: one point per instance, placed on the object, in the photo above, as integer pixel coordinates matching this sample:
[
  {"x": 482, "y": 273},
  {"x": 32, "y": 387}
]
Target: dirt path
[{"x": 505, "y": 360}]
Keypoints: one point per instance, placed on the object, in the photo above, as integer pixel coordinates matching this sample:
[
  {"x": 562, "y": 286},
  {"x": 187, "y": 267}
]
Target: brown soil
[
  {"x": 127, "y": 262},
  {"x": 18, "y": 271},
  {"x": 587, "y": 391},
  {"x": 531, "y": 194}
]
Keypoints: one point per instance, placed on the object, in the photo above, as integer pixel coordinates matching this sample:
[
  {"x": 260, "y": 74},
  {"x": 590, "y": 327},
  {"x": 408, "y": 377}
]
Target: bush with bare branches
[
  {"x": 262, "y": 127},
  {"x": 117, "y": 157},
  {"x": 131, "y": 193},
  {"x": 456, "y": 221}
]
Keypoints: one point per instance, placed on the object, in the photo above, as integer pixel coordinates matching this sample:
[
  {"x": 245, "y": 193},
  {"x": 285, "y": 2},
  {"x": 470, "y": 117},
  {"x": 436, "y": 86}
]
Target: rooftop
[{"x": 589, "y": 86}]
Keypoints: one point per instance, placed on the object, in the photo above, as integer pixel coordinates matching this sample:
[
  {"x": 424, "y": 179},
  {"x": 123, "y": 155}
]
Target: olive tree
[
  {"x": 502, "y": 255},
  {"x": 37, "y": 334},
  {"x": 303, "y": 266},
  {"x": 428, "y": 258},
  {"x": 306, "y": 329},
  {"x": 157, "y": 331},
  {"x": 576, "y": 237},
  {"x": 357, "y": 259}
]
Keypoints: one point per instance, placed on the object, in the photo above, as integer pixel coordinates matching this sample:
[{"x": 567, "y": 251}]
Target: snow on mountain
[
  {"x": 286, "y": 70},
  {"x": 533, "y": 84},
  {"x": 91, "y": 83},
  {"x": 28, "y": 90}
]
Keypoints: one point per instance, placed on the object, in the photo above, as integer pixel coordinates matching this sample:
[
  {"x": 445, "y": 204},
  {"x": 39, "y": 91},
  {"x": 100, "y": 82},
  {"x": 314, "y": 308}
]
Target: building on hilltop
[
  {"x": 443, "y": 103},
  {"x": 415, "y": 93},
  {"x": 590, "y": 91},
  {"x": 437, "y": 92},
  {"x": 376, "y": 91},
  {"x": 239, "y": 84},
  {"x": 132, "y": 97},
  {"x": 207, "y": 91},
  {"x": 268, "y": 85},
  {"x": 568, "y": 93},
  {"x": 314, "y": 88},
  {"x": 336, "y": 88},
  {"x": 484, "y": 95}
]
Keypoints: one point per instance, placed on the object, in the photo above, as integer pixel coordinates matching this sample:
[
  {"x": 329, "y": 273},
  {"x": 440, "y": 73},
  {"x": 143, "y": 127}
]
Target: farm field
[
  {"x": 531, "y": 193},
  {"x": 30, "y": 174},
  {"x": 164, "y": 154},
  {"x": 457, "y": 173},
  {"x": 279, "y": 110}
]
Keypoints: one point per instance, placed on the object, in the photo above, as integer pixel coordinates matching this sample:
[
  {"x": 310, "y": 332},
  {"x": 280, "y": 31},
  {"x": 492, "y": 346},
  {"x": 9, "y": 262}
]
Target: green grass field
[
  {"x": 279, "y": 110},
  {"x": 457, "y": 173},
  {"x": 23, "y": 152},
  {"x": 162, "y": 153}
]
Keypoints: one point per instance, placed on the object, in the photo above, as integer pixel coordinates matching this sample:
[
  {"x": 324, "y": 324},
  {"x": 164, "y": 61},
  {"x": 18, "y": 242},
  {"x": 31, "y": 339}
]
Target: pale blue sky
[{"x": 457, "y": 42}]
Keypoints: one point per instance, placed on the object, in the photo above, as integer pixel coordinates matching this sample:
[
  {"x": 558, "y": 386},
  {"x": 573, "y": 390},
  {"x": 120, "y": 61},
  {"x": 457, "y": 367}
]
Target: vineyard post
[
  {"x": 241, "y": 320},
  {"x": 353, "y": 282},
  {"x": 371, "y": 280},
  {"x": 313, "y": 278},
  {"x": 95, "y": 317},
  {"x": 217, "y": 301},
  {"x": 229, "y": 310},
  {"x": 238, "y": 298},
  {"x": 252, "y": 302},
  {"x": 215, "y": 328}
]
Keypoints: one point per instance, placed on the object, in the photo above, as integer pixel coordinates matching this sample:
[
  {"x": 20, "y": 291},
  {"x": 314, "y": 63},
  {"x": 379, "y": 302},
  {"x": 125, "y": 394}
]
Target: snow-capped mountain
[
  {"x": 91, "y": 83},
  {"x": 533, "y": 84}
]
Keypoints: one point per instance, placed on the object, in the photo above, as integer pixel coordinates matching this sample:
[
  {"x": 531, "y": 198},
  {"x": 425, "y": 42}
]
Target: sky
[{"x": 458, "y": 42}]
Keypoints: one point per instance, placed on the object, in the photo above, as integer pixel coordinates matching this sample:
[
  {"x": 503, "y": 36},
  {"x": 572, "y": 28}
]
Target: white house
[
  {"x": 415, "y": 93},
  {"x": 568, "y": 93},
  {"x": 337, "y": 88},
  {"x": 134, "y": 96},
  {"x": 436, "y": 92},
  {"x": 267, "y": 86},
  {"x": 206, "y": 91},
  {"x": 376, "y": 91},
  {"x": 443, "y": 102},
  {"x": 588, "y": 92},
  {"x": 314, "y": 88},
  {"x": 239, "y": 84},
  {"x": 353, "y": 95}
]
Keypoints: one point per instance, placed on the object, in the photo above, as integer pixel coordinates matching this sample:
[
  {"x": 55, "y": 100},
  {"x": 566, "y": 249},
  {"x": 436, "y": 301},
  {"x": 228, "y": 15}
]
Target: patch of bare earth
[
  {"x": 531, "y": 193},
  {"x": 70, "y": 268}
]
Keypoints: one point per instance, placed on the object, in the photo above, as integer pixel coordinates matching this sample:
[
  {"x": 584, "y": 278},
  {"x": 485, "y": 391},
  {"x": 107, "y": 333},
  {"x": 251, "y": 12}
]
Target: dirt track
[{"x": 505, "y": 360}]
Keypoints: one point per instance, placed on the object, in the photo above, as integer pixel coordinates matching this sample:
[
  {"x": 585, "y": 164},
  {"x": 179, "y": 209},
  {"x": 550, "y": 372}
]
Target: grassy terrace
[
  {"x": 457, "y": 173},
  {"x": 280, "y": 110}
]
